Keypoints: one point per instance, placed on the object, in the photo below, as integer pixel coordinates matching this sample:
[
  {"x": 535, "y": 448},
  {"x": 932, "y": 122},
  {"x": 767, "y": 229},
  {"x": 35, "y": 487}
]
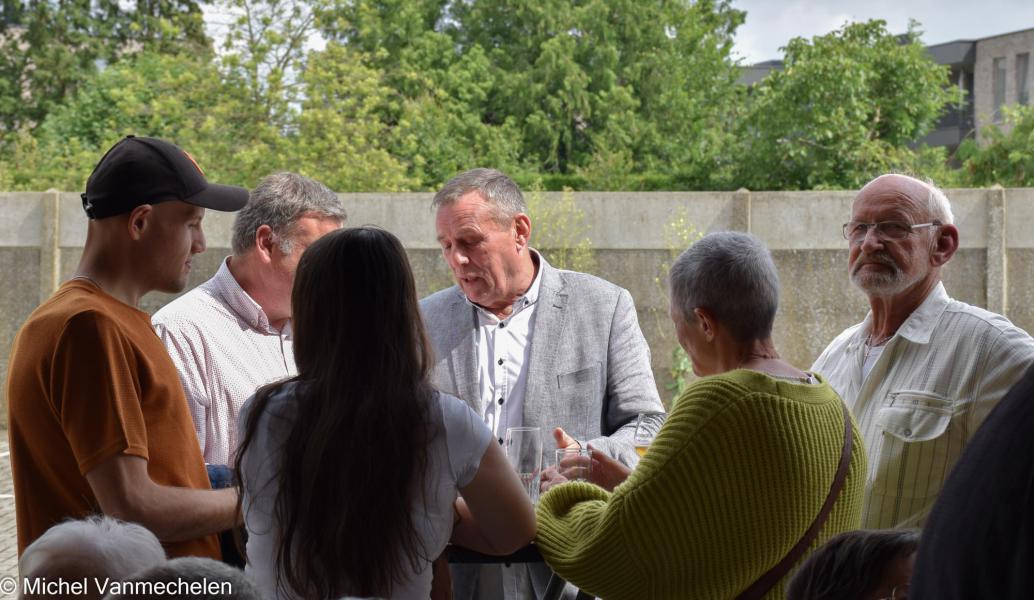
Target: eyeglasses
[{"x": 855, "y": 231}]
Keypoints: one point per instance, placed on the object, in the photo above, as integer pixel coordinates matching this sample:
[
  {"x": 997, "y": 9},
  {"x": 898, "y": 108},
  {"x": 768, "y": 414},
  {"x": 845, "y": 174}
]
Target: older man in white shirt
[
  {"x": 922, "y": 371},
  {"x": 232, "y": 334}
]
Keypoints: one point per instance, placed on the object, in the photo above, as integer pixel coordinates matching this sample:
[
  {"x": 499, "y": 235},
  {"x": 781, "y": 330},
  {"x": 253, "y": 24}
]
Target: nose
[
  {"x": 455, "y": 257},
  {"x": 198, "y": 245},
  {"x": 872, "y": 241}
]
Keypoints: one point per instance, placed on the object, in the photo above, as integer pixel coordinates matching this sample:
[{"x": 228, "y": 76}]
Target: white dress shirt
[
  {"x": 224, "y": 349},
  {"x": 502, "y": 352},
  {"x": 929, "y": 390}
]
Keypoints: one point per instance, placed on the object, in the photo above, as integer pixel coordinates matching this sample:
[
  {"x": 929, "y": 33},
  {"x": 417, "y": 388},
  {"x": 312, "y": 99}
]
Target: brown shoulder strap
[{"x": 767, "y": 581}]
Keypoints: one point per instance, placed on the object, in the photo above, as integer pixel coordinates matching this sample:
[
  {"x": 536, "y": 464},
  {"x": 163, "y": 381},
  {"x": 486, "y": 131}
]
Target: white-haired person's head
[
  {"x": 97, "y": 547},
  {"x": 188, "y": 577}
]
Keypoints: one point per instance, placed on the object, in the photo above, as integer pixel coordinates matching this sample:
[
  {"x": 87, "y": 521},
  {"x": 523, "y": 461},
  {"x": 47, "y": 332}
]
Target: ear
[
  {"x": 945, "y": 245},
  {"x": 707, "y": 323},
  {"x": 265, "y": 242},
  {"x": 139, "y": 221},
  {"x": 522, "y": 230}
]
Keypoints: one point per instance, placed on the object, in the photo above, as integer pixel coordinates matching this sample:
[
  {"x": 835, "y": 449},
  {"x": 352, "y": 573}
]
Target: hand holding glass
[{"x": 575, "y": 464}]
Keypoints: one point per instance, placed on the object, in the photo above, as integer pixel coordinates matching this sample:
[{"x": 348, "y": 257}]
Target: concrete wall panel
[
  {"x": 1021, "y": 292},
  {"x": 19, "y": 296},
  {"x": 23, "y": 213},
  {"x": 1019, "y": 217}
]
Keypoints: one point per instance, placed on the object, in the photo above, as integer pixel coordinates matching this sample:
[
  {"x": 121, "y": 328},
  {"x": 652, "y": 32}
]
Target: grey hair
[
  {"x": 113, "y": 548},
  {"x": 731, "y": 275},
  {"x": 495, "y": 187},
  {"x": 279, "y": 201},
  {"x": 218, "y": 580},
  {"x": 938, "y": 205},
  {"x": 850, "y": 565}
]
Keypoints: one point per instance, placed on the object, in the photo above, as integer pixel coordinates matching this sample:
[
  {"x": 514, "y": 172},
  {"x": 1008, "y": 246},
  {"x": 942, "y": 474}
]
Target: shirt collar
[
  {"x": 919, "y": 325},
  {"x": 530, "y": 297},
  {"x": 241, "y": 303}
]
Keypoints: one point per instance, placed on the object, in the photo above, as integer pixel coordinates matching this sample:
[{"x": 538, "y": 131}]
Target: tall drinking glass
[{"x": 524, "y": 450}]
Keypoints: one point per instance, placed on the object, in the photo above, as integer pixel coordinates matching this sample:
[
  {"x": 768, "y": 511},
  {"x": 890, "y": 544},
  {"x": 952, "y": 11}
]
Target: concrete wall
[
  {"x": 1005, "y": 46},
  {"x": 41, "y": 236}
]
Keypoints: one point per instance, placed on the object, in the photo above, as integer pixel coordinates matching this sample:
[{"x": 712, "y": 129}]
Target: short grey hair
[
  {"x": 218, "y": 580},
  {"x": 732, "y": 276},
  {"x": 106, "y": 546},
  {"x": 279, "y": 201},
  {"x": 938, "y": 205},
  {"x": 495, "y": 187}
]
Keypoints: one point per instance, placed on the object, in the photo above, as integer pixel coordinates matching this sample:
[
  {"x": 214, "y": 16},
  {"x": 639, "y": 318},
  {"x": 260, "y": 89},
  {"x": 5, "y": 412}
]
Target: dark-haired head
[
  {"x": 362, "y": 356},
  {"x": 354, "y": 287},
  {"x": 857, "y": 565}
]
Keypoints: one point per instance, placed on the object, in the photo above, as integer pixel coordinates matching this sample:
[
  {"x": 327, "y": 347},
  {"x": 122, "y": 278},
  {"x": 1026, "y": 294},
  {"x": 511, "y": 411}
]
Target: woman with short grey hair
[{"x": 757, "y": 462}]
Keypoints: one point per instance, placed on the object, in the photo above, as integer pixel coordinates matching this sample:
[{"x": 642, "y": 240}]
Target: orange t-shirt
[{"x": 89, "y": 379}]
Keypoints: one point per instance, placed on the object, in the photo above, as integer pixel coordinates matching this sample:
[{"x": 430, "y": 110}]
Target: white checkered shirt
[{"x": 224, "y": 349}]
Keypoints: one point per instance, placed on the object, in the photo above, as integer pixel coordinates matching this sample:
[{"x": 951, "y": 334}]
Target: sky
[{"x": 772, "y": 23}]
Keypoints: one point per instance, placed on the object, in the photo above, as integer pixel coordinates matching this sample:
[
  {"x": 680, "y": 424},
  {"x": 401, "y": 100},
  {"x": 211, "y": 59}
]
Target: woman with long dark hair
[{"x": 349, "y": 471}]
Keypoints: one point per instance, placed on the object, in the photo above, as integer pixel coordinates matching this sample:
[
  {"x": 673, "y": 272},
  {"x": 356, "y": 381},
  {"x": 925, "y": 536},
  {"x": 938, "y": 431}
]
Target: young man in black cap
[{"x": 97, "y": 417}]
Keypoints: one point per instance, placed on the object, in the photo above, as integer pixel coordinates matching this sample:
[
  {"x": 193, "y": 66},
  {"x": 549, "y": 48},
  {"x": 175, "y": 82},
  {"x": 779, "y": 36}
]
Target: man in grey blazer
[{"x": 525, "y": 344}]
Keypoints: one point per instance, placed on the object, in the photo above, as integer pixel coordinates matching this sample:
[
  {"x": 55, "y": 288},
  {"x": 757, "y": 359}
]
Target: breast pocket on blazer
[
  {"x": 917, "y": 445},
  {"x": 578, "y": 404}
]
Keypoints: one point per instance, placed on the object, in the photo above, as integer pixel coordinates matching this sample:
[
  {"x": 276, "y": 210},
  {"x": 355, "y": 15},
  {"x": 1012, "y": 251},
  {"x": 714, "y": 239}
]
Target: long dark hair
[{"x": 352, "y": 464}]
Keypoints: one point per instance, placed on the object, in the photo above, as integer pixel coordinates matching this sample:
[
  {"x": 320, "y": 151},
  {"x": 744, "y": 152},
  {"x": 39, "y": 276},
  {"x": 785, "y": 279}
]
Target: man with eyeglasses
[{"x": 922, "y": 370}]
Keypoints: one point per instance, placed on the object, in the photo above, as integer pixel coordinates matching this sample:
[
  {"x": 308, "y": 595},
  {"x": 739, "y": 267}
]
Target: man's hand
[
  {"x": 607, "y": 472},
  {"x": 563, "y": 440}
]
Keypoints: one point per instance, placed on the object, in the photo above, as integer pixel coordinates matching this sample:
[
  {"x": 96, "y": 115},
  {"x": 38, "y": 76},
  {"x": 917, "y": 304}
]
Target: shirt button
[
  {"x": 500, "y": 441},
  {"x": 502, "y": 325},
  {"x": 500, "y": 401},
  {"x": 500, "y": 361},
  {"x": 908, "y": 433}
]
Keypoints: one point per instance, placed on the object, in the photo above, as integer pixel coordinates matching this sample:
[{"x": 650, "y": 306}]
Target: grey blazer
[{"x": 588, "y": 365}]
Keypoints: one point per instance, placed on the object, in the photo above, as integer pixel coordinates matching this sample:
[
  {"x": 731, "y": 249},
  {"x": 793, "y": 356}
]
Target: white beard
[{"x": 884, "y": 283}]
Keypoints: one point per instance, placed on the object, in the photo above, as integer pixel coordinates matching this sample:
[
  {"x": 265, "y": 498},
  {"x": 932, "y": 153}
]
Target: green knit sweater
[{"x": 734, "y": 478}]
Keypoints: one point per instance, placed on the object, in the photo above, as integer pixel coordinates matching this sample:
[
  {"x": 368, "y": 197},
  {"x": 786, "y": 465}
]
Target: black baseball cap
[{"x": 142, "y": 170}]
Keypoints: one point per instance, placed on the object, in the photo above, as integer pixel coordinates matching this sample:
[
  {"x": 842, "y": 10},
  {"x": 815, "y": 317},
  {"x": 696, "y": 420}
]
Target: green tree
[
  {"x": 435, "y": 112},
  {"x": 340, "y": 137},
  {"x": 556, "y": 87},
  {"x": 177, "y": 97},
  {"x": 1006, "y": 159},
  {"x": 845, "y": 107},
  {"x": 602, "y": 76},
  {"x": 265, "y": 53},
  {"x": 49, "y": 48}
]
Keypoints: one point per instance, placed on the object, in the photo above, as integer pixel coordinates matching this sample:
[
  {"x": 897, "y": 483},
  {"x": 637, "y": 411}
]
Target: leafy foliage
[
  {"x": 589, "y": 94},
  {"x": 560, "y": 232},
  {"x": 1006, "y": 159},
  {"x": 845, "y": 107},
  {"x": 48, "y": 49}
]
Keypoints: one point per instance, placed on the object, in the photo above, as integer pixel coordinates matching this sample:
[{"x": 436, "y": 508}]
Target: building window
[
  {"x": 1022, "y": 69},
  {"x": 998, "y": 86}
]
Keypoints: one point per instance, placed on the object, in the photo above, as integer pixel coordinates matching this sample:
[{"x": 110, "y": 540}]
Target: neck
[
  {"x": 108, "y": 270},
  {"x": 890, "y": 312},
  {"x": 523, "y": 280},
  {"x": 259, "y": 284},
  {"x": 758, "y": 355}
]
